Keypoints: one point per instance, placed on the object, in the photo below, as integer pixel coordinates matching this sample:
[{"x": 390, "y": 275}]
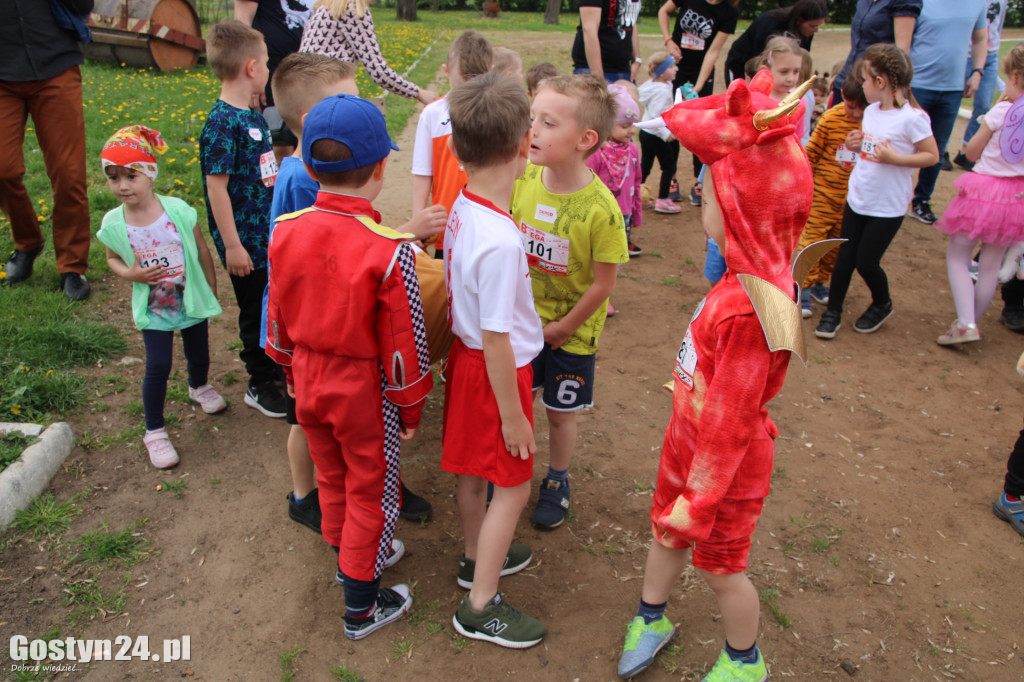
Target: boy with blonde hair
[
  {"x": 239, "y": 170},
  {"x": 488, "y": 429},
  {"x": 346, "y": 323},
  {"x": 575, "y": 239},
  {"x": 437, "y": 176}
]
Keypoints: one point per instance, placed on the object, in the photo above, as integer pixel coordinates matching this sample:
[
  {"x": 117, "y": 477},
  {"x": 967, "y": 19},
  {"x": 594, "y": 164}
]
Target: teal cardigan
[{"x": 200, "y": 301}]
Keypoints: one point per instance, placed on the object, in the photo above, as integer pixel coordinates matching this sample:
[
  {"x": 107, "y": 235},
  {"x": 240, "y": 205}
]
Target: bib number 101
[{"x": 539, "y": 249}]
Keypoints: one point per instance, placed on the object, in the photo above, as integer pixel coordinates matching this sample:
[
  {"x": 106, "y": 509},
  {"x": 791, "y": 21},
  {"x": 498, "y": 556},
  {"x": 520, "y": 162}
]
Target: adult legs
[
  {"x": 942, "y": 107},
  {"x": 14, "y": 200},
  {"x": 986, "y": 90}
]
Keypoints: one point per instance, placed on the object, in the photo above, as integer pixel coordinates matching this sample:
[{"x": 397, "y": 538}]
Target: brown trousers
[{"x": 55, "y": 105}]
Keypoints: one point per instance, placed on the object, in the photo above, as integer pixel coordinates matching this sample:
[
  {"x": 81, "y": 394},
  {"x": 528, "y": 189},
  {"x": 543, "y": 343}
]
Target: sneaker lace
[{"x": 635, "y": 633}]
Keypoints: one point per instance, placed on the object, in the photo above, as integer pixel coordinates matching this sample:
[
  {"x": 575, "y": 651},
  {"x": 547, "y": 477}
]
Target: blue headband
[{"x": 664, "y": 66}]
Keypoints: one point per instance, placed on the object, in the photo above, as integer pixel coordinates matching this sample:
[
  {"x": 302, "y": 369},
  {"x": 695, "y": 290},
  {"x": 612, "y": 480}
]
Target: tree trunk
[
  {"x": 406, "y": 10},
  {"x": 551, "y": 12}
]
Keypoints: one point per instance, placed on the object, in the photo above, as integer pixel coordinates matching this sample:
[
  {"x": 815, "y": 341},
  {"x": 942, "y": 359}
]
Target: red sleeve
[{"x": 402, "y": 337}]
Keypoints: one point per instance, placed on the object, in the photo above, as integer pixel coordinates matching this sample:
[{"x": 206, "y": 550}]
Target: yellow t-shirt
[{"x": 564, "y": 235}]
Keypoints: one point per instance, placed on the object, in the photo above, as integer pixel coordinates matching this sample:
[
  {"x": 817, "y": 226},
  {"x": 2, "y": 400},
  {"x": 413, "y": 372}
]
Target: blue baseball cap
[{"x": 353, "y": 121}]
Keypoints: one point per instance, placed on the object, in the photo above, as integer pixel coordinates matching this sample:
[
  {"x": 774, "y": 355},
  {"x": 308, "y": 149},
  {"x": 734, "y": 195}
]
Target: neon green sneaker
[
  {"x": 643, "y": 642},
  {"x": 728, "y": 670}
]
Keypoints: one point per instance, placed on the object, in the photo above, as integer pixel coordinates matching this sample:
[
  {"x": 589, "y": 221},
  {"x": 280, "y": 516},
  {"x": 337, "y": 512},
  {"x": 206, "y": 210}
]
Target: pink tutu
[{"x": 986, "y": 208}]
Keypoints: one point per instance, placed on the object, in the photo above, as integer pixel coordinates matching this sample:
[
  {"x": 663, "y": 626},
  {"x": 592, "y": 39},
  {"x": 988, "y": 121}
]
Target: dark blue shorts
[{"x": 567, "y": 379}]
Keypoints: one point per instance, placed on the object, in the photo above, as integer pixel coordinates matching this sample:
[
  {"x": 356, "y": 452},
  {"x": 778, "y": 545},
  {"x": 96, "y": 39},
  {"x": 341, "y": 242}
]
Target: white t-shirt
[
  {"x": 159, "y": 244},
  {"x": 488, "y": 279},
  {"x": 883, "y": 190},
  {"x": 434, "y": 124}
]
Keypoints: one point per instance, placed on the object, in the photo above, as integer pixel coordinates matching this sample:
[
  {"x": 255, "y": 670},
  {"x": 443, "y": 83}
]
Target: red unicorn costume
[{"x": 716, "y": 462}]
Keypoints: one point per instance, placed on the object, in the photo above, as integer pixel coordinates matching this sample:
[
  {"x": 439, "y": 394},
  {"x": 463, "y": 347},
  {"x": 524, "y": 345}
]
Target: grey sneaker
[
  {"x": 499, "y": 623},
  {"x": 921, "y": 210},
  {"x": 517, "y": 559},
  {"x": 643, "y": 642},
  {"x": 1011, "y": 512},
  {"x": 392, "y": 604}
]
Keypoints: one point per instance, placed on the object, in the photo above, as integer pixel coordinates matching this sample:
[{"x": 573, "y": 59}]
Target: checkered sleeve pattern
[{"x": 390, "y": 501}]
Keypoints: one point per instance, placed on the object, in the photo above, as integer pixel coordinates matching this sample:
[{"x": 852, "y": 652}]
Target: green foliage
[
  {"x": 177, "y": 488},
  {"x": 287, "y": 659},
  {"x": 125, "y": 547},
  {"x": 11, "y": 446},
  {"x": 46, "y": 517},
  {"x": 343, "y": 673}
]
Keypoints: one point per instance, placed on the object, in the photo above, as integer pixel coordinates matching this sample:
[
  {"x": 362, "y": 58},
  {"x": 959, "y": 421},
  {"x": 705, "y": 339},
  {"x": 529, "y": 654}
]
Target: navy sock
[
  {"x": 745, "y": 656},
  {"x": 651, "y": 612},
  {"x": 360, "y": 597},
  {"x": 558, "y": 475},
  {"x": 297, "y": 500}
]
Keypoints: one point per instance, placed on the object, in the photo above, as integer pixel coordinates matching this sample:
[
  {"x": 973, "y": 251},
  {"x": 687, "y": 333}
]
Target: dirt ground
[{"x": 878, "y": 544}]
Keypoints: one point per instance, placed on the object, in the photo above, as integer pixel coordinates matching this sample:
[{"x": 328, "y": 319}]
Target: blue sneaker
[
  {"x": 552, "y": 504},
  {"x": 728, "y": 670},
  {"x": 819, "y": 292},
  {"x": 643, "y": 642},
  {"x": 805, "y": 304},
  {"x": 1011, "y": 512}
]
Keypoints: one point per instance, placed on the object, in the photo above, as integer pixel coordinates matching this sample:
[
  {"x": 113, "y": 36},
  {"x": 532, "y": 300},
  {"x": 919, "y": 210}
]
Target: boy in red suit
[
  {"x": 345, "y": 321},
  {"x": 716, "y": 462}
]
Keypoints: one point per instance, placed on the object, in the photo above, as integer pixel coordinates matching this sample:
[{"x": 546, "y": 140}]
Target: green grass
[
  {"x": 343, "y": 673},
  {"x": 770, "y": 598},
  {"x": 287, "y": 660},
  {"x": 125, "y": 547},
  {"x": 46, "y": 517},
  {"x": 89, "y": 600},
  {"x": 11, "y": 446},
  {"x": 175, "y": 487}
]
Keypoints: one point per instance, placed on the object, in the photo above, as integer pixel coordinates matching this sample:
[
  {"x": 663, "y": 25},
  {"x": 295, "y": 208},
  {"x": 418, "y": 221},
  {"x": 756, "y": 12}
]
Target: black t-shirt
[
  {"x": 614, "y": 33},
  {"x": 281, "y": 23},
  {"x": 697, "y": 22},
  {"x": 752, "y": 42}
]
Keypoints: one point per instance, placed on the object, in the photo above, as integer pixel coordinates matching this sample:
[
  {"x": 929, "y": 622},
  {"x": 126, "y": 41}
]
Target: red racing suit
[{"x": 345, "y": 321}]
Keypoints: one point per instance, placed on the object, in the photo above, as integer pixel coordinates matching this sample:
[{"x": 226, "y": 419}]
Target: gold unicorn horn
[{"x": 787, "y": 106}]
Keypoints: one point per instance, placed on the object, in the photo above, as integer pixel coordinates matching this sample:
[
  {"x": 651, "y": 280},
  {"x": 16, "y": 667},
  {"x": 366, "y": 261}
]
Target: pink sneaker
[
  {"x": 611, "y": 309},
  {"x": 162, "y": 454},
  {"x": 208, "y": 399},
  {"x": 666, "y": 206}
]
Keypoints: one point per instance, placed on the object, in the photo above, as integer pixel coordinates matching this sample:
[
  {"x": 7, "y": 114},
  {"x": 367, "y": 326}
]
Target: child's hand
[
  {"x": 238, "y": 261},
  {"x": 884, "y": 153},
  {"x": 428, "y": 222},
  {"x": 150, "y": 275},
  {"x": 853, "y": 140},
  {"x": 426, "y": 96},
  {"x": 406, "y": 433},
  {"x": 518, "y": 435},
  {"x": 554, "y": 335},
  {"x": 291, "y": 390}
]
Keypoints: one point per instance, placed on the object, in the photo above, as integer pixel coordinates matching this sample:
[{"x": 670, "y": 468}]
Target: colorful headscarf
[{"x": 134, "y": 147}]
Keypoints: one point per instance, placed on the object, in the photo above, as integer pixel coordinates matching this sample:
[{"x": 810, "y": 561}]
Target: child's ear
[
  {"x": 250, "y": 68},
  {"x": 451, "y": 148},
  {"x": 524, "y": 144},
  {"x": 378, "y": 172},
  {"x": 311, "y": 172},
  {"x": 588, "y": 140}
]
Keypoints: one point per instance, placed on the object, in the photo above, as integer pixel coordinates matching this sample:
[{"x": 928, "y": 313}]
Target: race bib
[
  {"x": 545, "y": 250},
  {"x": 268, "y": 168},
  {"x": 168, "y": 256},
  {"x": 686, "y": 358},
  {"x": 689, "y": 41},
  {"x": 868, "y": 145},
  {"x": 846, "y": 158}
]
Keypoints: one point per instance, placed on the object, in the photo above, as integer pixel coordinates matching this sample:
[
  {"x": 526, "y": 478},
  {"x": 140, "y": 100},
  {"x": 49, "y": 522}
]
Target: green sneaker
[
  {"x": 643, "y": 642},
  {"x": 517, "y": 559},
  {"x": 728, "y": 670},
  {"x": 499, "y": 623}
]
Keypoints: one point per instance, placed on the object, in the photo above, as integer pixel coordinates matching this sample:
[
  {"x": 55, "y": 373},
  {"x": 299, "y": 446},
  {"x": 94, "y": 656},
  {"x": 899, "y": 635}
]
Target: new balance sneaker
[
  {"x": 873, "y": 318},
  {"x": 829, "y": 324},
  {"x": 267, "y": 399},
  {"x": 162, "y": 454},
  {"x": 673, "y": 191},
  {"x": 517, "y": 559},
  {"x": 499, "y": 623},
  {"x": 643, "y": 642},
  {"x": 728, "y": 670},
  {"x": 958, "y": 334},
  {"x": 962, "y": 161},
  {"x": 396, "y": 553},
  {"x": 696, "y": 194},
  {"x": 805, "y": 304},
  {"x": 306, "y": 512},
  {"x": 819, "y": 293},
  {"x": 921, "y": 210},
  {"x": 1011, "y": 512},
  {"x": 666, "y": 206},
  {"x": 207, "y": 398},
  {"x": 392, "y": 604},
  {"x": 552, "y": 504},
  {"x": 414, "y": 507}
]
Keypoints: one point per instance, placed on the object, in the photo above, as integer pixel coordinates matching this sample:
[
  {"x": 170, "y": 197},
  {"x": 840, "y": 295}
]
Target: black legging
[
  {"x": 867, "y": 239},
  {"x": 159, "y": 358},
  {"x": 653, "y": 147},
  {"x": 1014, "y": 484}
]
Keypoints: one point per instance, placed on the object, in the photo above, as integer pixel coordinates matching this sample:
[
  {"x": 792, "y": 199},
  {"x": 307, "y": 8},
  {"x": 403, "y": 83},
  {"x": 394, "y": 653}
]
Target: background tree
[{"x": 406, "y": 10}]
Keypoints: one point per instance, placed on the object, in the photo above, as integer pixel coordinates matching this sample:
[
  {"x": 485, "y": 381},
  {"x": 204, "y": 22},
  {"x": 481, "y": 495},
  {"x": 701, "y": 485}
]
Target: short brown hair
[
  {"x": 853, "y": 89},
  {"x": 300, "y": 81},
  {"x": 471, "y": 53},
  {"x": 490, "y": 116},
  {"x": 326, "y": 149},
  {"x": 229, "y": 44},
  {"x": 595, "y": 106},
  {"x": 506, "y": 62},
  {"x": 537, "y": 73}
]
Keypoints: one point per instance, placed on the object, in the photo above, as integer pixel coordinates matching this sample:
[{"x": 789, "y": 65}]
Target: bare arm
[
  {"x": 977, "y": 144},
  {"x": 665, "y": 13},
  {"x": 634, "y": 66},
  {"x": 238, "y": 261},
  {"x": 427, "y": 223},
  {"x": 421, "y": 186},
  {"x": 710, "y": 57},
  {"x": 134, "y": 273},
  {"x": 501, "y": 371},
  {"x": 245, "y": 11},
  {"x": 979, "y": 52},
  {"x": 590, "y": 19},
  {"x": 205, "y": 259},
  {"x": 558, "y": 332},
  {"x": 903, "y": 30}
]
